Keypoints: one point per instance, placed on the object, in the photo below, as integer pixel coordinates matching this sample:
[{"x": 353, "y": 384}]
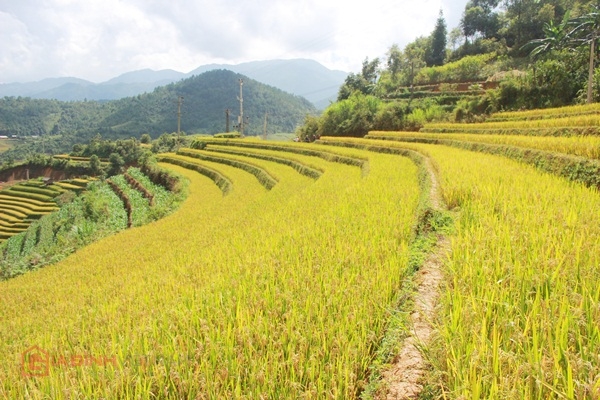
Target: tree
[
  {"x": 479, "y": 19},
  {"x": 455, "y": 36},
  {"x": 525, "y": 20},
  {"x": 370, "y": 69},
  {"x": 394, "y": 60},
  {"x": 308, "y": 131},
  {"x": 586, "y": 30},
  {"x": 555, "y": 38},
  {"x": 145, "y": 138},
  {"x": 95, "y": 165},
  {"x": 414, "y": 58},
  {"x": 354, "y": 116},
  {"x": 437, "y": 48},
  {"x": 364, "y": 82},
  {"x": 116, "y": 163}
]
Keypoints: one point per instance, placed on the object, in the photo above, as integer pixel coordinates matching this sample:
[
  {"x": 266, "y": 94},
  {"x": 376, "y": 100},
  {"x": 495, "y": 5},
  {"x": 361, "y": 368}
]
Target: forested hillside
[
  {"x": 504, "y": 55},
  {"x": 50, "y": 126},
  {"x": 205, "y": 99}
]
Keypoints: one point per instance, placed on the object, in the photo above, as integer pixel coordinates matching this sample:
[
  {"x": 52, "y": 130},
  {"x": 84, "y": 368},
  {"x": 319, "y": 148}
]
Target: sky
[{"x": 97, "y": 40}]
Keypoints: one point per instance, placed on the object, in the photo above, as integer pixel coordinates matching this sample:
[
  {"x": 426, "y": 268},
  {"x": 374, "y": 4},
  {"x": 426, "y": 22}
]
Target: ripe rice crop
[
  {"x": 523, "y": 273},
  {"x": 519, "y": 316},
  {"x": 564, "y": 122},
  {"x": 558, "y": 112},
  {"x": 264, "y": 177},
  {"x": 27, "y": 195},
  {"x": 273, "y": 294},
  {"x": 302, "y": 168},
  {"x": 5, "y": 195},
  {"x": 584, "y": 146}
]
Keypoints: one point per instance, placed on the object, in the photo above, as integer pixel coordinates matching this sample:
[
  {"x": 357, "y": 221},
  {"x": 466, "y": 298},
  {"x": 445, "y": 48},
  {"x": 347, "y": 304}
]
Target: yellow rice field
[
  {"x": 520, "y": 311},
  {"x": 287, "y": 290},
  {"x": 584, "y": 146},
  {"x": 274, "y": 294}
]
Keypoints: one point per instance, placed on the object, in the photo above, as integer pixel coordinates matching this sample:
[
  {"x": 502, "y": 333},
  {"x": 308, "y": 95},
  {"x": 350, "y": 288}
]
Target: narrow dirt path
[{"x": 403, "y": 379}]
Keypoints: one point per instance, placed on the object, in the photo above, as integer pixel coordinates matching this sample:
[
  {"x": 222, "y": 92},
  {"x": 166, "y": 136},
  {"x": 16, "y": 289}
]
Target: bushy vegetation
[
  {"x": 360, "y": 113},
  {"x": 504, "y": 56}
]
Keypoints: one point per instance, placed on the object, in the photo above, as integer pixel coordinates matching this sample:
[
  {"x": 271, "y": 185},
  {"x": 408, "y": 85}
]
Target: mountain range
[
  {"x": 301, "y": 77},
  {"x": 201, "y": 99}
]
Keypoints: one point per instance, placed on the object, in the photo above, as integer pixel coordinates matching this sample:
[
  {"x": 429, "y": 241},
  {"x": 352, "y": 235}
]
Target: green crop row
[
  {"x": 69, "y": 186},
  {"x": 18, "y": 213},
  {"x": 13, "y": 196},
  {"x": 163, "y": 201},
  {"x": 298, "y": 166},
  {"x": 48, "y": 192},
  {"x": 25, "y": 206},
  {"x": 263, "y": 176},
  {"x": 27, "y": 195},
  {"x": 123, "y": 195},
  {"x": 304, "y": 150},
  {"x": 135, "y": 184},
  {"x": 140, "y": 206},
  {"x": 217, "y": 177}
]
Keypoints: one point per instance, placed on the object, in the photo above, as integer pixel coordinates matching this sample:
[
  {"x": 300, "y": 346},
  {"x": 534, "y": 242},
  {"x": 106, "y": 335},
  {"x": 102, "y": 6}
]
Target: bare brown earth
[{"x": 403, "y": 379}]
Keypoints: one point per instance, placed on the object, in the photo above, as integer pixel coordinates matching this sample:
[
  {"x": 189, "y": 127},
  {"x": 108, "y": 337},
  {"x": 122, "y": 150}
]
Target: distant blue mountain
[{"x": 305, "y": 78}]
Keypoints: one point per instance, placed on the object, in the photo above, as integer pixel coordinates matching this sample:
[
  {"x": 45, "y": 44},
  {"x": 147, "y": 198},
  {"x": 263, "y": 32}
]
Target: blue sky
[{"x": 100, "y": 39}]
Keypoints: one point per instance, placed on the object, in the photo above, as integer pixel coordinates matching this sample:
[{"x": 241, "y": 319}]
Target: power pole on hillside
[
  {"x": 241, "y": 117},
  {"x": 265, "y": 127},
  {"x": 179, "y": 102},
  {"x": 227, "y": 120}
]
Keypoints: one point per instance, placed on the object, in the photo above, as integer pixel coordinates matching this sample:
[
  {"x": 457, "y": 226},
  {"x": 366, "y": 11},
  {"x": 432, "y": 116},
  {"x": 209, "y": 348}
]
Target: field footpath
[{"x": 402, "y": 380}]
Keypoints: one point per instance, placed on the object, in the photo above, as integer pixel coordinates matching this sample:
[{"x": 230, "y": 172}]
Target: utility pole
[
  {"x": 241, "y": 99},
  {"x": 227, "y": 120},
  {"x": 179, "y": 102},
  {"x": 265, "y": 127}
]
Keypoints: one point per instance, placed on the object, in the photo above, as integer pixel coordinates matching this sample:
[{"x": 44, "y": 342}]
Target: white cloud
[
  {"x": 99, "y": 39},
  {"x": 17, "y": 49}
]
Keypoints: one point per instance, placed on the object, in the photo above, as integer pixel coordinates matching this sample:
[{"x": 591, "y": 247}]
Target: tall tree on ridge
[{"x": 437, "y": 50}]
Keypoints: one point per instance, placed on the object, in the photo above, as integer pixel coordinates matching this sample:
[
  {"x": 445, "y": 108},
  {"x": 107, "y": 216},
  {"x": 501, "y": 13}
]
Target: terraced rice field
[
  {"x": 28, "y": 201},
  {"x": 290, "y": 273},
  {"x": 22, "y": 203}
]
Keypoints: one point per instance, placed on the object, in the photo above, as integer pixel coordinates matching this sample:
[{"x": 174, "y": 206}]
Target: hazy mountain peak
[{"x": 302, "y": 77}]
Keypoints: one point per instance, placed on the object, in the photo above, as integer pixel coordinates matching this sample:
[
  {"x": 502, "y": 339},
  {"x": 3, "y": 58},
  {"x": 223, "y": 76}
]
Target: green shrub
[
  {"x": 198, "y": 144},
  {"x": 229, "y": 135}
]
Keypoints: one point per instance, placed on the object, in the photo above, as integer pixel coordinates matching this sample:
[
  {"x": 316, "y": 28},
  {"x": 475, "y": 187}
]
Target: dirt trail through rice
[{"x": 403, "y": 379}]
